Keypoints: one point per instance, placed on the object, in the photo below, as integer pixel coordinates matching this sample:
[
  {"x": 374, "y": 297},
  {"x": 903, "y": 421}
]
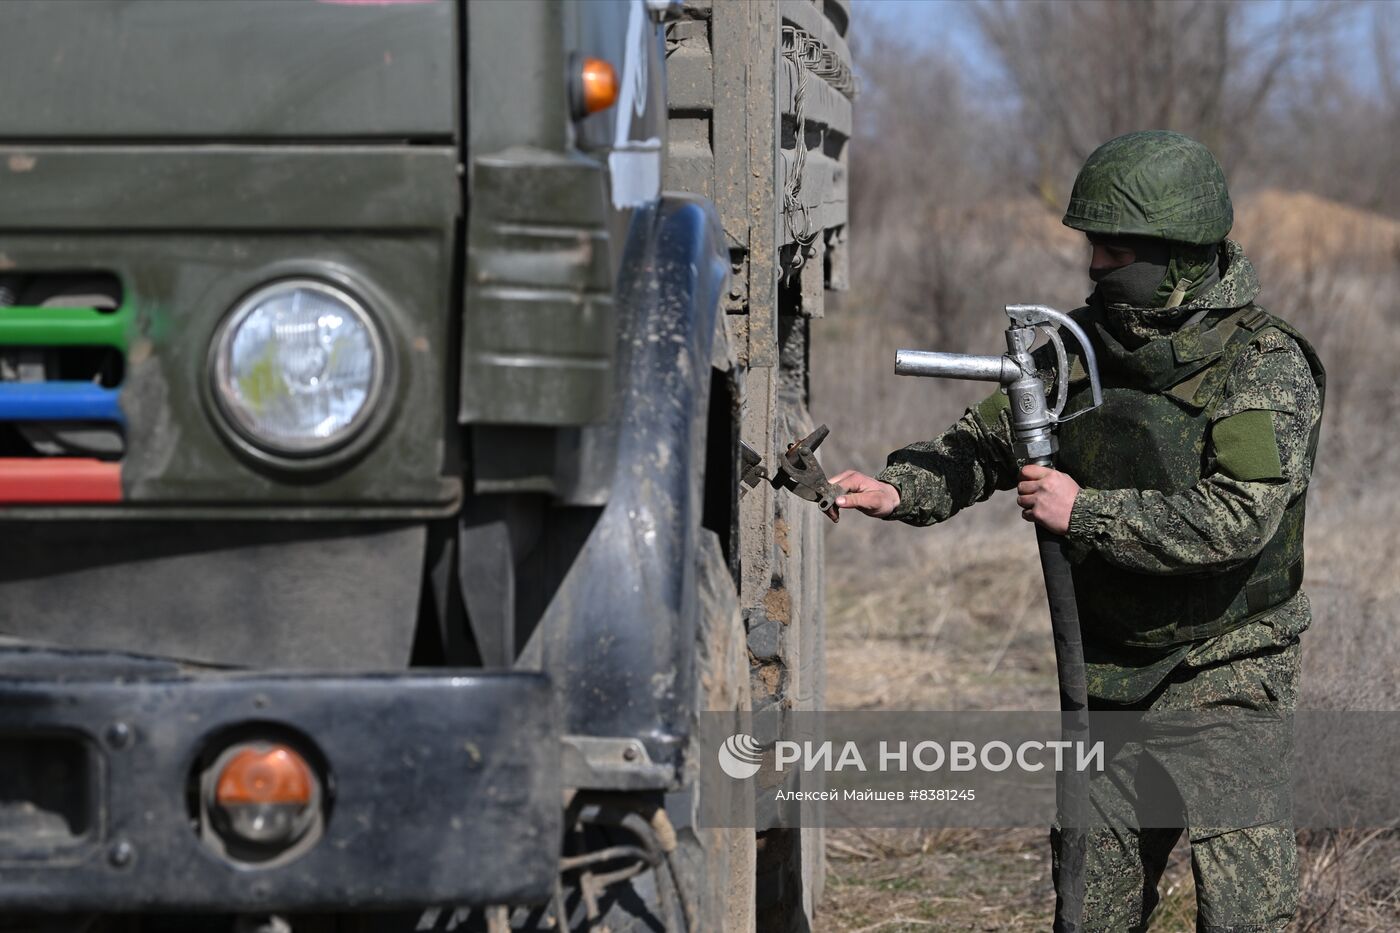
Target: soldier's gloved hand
[
  {"x": 865, "y": 494},
  {"x": 1046, "y": 497}
]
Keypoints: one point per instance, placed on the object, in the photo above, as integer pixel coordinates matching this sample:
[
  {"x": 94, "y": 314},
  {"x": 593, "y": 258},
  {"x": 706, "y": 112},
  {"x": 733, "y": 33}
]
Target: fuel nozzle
[{"x": 1033, "y": 418}]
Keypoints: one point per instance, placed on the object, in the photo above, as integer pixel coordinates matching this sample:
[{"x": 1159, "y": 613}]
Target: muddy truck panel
[{"x": 760, "y": 97}]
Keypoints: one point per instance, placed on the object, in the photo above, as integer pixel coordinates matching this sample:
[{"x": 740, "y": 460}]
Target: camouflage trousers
[{"x": 1245, "y": 866}]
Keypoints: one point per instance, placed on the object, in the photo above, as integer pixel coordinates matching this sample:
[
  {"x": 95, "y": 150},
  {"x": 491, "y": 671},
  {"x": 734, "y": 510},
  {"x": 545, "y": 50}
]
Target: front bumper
[{"x": 442, "y": 788}]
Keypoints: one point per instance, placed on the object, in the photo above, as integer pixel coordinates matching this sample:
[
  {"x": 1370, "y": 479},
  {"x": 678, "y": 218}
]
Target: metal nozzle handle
[{"x": 1031, "y": 315}]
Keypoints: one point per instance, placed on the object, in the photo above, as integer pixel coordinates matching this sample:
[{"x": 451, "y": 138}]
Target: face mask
[
  {"x": 1135, "y": 284},
  {"x": 1135, "y": 297}
]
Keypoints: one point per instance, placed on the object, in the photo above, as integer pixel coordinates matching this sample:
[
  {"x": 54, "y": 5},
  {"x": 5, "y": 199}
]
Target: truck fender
[{"x": 618, "y": 638}]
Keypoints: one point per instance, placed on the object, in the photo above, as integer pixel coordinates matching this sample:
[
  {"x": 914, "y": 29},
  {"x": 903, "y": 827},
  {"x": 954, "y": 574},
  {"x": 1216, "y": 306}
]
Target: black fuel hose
[{"x": 1072, "y": 785}]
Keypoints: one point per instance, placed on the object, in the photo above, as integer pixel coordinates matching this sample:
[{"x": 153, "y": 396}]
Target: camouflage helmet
[{"x": 1152, "y": 183}]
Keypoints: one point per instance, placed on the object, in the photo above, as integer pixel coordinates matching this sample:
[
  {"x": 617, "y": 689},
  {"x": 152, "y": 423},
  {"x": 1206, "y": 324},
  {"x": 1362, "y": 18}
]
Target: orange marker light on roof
[{"x": 598, "y": 86}]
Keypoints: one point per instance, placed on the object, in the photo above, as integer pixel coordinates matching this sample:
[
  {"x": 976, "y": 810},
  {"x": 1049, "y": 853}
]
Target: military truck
[{"x": 374, "y": 378}]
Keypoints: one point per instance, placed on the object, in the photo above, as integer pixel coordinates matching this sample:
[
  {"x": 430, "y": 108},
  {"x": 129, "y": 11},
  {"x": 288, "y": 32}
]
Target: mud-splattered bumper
[{"x": 440, "y": 789}]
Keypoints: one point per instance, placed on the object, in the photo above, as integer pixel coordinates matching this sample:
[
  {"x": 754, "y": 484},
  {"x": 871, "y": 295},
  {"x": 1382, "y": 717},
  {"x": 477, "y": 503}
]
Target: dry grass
[
  {"x": 1302, "y": 229},
  {"x": 953, "y": 617}
]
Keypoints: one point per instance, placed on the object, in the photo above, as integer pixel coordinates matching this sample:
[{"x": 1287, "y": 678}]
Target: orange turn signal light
[
  {"x": 265, "y": 774},
  {"x": 599, "y": 85}
]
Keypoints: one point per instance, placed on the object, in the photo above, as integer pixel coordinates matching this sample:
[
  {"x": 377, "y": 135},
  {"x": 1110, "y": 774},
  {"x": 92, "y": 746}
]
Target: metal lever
[{"x": 798, "y": 472}]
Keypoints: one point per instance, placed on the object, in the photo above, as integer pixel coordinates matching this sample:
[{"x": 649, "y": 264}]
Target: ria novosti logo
[{"x": 740, "y": 756}]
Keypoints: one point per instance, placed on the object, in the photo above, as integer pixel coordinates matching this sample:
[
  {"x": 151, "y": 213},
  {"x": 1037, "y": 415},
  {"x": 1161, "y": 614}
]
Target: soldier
[{"x": 1182, "y": 499}]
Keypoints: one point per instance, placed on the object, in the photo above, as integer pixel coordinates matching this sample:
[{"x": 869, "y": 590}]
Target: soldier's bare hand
[
  {"x": 1046, "y": 497},
  {"x": 865, "y": 494}
]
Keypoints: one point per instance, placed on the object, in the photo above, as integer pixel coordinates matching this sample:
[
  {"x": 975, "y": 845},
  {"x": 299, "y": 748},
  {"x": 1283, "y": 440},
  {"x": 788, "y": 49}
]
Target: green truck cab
[{"x": 373, "y": 378}]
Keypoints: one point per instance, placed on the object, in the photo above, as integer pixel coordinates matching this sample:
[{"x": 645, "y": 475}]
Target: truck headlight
[{"x": 298, "y": 367}]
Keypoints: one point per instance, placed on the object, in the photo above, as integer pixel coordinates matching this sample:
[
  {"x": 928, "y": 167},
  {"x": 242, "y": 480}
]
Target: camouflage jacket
[{"x": 1216, "y": 525}]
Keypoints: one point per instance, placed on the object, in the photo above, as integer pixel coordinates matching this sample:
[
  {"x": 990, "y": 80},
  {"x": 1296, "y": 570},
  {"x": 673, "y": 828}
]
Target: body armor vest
[{"x": 1153, "y": 432}]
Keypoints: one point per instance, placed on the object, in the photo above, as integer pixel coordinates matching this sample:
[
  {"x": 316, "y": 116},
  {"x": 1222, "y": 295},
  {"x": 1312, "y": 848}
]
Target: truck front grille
[{"x": 63, "y": 388}]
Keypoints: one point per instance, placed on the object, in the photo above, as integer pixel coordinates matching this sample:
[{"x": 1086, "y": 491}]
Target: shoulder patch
[{"x": 1246, "y": 446}]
